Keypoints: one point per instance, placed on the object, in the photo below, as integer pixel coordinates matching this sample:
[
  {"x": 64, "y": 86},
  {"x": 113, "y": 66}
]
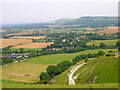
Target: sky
[{"x": 37, "y": 11}]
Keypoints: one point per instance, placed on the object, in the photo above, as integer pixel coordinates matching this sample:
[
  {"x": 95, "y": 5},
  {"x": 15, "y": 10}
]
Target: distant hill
[{"x": 90, "y": 21}]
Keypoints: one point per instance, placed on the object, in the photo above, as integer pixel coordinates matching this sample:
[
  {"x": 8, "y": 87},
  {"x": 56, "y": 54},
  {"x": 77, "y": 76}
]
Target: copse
[
  {"x": 64, "y": 65},
  {"x": 79, "y": 58},
  {"x": 53, "y": 70},
  {"x": 44, "y": 77}
]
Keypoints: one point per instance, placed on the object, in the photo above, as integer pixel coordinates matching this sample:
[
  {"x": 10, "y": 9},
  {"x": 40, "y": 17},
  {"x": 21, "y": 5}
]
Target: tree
[
  {"x": 64, "y": 65},
  {"x": 44, "y": 77},
  {"x": 102, "y": 45},
  {"x": 21, "y": 50},
  {"x": 52, "y": 70},
  {"x": 118, "y": 44},
  {"x": 101, "y": 53}
]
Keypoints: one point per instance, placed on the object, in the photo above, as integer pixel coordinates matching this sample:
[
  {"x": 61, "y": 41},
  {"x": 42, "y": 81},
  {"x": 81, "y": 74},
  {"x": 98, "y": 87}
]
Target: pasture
[
  {"x": 107, "y": 42},
  {"x": 57, "y": 58},
  {"x": 19, "y": 71},
  {"x": 8, "y": 42},
  {"x": 33, "y": 45}
]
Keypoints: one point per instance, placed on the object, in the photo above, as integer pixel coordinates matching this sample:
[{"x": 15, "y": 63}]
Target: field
[
  {"x": 17, "y": 34},
  {"x": 109, "y": 30},
  {"x": 8, "y": 42},
  {"x": 33, "y": 67},
  {"x": 28, "y": 37},
  {"x": 17, "y": 72},
  {"x": 107, "y": 42},
  {"x": 33, "y": 45},
  {"x": 57, "y": 58}
]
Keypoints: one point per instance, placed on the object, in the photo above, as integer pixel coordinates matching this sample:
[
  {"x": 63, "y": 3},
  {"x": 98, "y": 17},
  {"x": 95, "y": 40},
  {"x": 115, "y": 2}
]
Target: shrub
[{"x": 101, "y": 53}]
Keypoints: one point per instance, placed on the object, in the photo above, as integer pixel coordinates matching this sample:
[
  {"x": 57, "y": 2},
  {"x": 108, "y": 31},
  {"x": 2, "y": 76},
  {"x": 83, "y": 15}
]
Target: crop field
[
  {"x": 33, "y": 45},
  {"x": 28, "y": 37},
  {"x": 57, "y": 58},
  {"x": 107, "y": 42},
  {"x": 8, "y": 42},
  {"x": 109, "y": 30},
  {"x": 19, "y": 71}
]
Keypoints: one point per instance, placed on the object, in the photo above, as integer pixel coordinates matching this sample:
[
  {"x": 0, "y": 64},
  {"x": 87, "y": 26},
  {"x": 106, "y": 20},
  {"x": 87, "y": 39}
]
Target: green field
[
  {"x": 17, "y": 71},
  {"x": 57, "y": 58},
  {"x": 107, "y": 42}
]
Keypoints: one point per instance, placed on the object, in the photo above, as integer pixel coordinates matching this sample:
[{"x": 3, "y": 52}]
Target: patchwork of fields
[{"x": 36, "y": 65}]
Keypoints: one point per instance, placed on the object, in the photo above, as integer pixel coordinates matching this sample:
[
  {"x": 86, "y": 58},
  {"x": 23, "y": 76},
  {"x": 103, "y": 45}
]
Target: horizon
[{"x": 42, "y": 12}]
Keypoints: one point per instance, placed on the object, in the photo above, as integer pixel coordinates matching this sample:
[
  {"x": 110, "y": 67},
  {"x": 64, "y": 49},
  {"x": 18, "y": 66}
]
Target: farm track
[{"x": 71, "y": 80}]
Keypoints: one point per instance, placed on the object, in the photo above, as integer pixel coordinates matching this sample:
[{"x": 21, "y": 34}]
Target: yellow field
[
  {"x": 33, "y": 45},
  {"x": 28, "y": 37},
  {"x": 23, "y": 71},
  {"x": 8, "y": 42},
  {"x": 17, "y": 34}
]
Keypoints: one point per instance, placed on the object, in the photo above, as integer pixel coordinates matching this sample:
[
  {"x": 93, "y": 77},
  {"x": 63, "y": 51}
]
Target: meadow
[
  {"x": 57, "y": 58},
  {"x": 14, "y": 73},
  {"x": 107, "y": 42}
]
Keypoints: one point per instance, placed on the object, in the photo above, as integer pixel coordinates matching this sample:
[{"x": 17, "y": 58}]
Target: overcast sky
[{"x": 33, "y": 11}]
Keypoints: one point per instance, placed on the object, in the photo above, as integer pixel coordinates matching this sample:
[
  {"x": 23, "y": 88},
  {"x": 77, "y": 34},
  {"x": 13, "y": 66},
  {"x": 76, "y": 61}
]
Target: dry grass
[
  {"x": 8, "y": 42},
  {"x": 34, "y": 45},
  {"x": 29, "y": 37},
  {"x": 109, "y": 30}
]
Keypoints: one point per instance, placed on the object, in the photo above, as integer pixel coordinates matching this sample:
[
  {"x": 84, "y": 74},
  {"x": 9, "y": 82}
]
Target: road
[{"x": 71, "y": 80}]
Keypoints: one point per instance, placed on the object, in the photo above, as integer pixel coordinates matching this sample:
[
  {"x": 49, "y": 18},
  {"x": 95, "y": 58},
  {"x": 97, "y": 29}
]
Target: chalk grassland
[
  {"x": 8, "y": 42},
  {"x": 29, "y": 37},
  {"x": 33, "y": 45},
  {"x": 17, "y": 72},
  {"x": 106, "y": 67},
  {"x": 57, "y": 58},
  {"x": 109, "y": 30},
  {"x": 107, "y": 42},
  {"x": 103, "y": 67}
]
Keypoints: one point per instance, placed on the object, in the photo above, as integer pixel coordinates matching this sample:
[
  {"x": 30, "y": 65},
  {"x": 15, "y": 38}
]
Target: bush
[
  {"x": 102, "y": 45},
  {"x": 108, "y": 55},
  {"x": 44, "y": 77},
  {"x": 101, "y": 53},
  {"x": 110, "y": 51}
]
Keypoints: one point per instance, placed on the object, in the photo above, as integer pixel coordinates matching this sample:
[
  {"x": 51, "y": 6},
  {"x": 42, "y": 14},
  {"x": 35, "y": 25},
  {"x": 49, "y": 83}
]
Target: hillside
[{"x": 106, "y": 67}]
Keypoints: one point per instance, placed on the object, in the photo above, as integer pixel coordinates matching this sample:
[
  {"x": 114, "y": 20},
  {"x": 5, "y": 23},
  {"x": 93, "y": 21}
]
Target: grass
[
  {"x": 106, "y": 67},
  {"x": 57, "y": 58},
  {"x": 105, "y": 70},
  {"x": 17, "y": 71},
  {"x": 107, "y": 42},
  {"x": 11, "y": 84}
]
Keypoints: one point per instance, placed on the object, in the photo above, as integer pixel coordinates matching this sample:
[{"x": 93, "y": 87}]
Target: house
[{"x": 11, "y": 56}]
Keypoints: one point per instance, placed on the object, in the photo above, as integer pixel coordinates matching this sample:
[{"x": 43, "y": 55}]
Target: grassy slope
[
  {"x": 105, "y": 67},
  {"x": 107, "y": 42},
  {"x": 57, "y": 58}
]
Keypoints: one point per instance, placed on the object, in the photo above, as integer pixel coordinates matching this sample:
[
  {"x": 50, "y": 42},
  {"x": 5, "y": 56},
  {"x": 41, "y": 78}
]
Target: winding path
[{"x": 71, "y": 80}]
